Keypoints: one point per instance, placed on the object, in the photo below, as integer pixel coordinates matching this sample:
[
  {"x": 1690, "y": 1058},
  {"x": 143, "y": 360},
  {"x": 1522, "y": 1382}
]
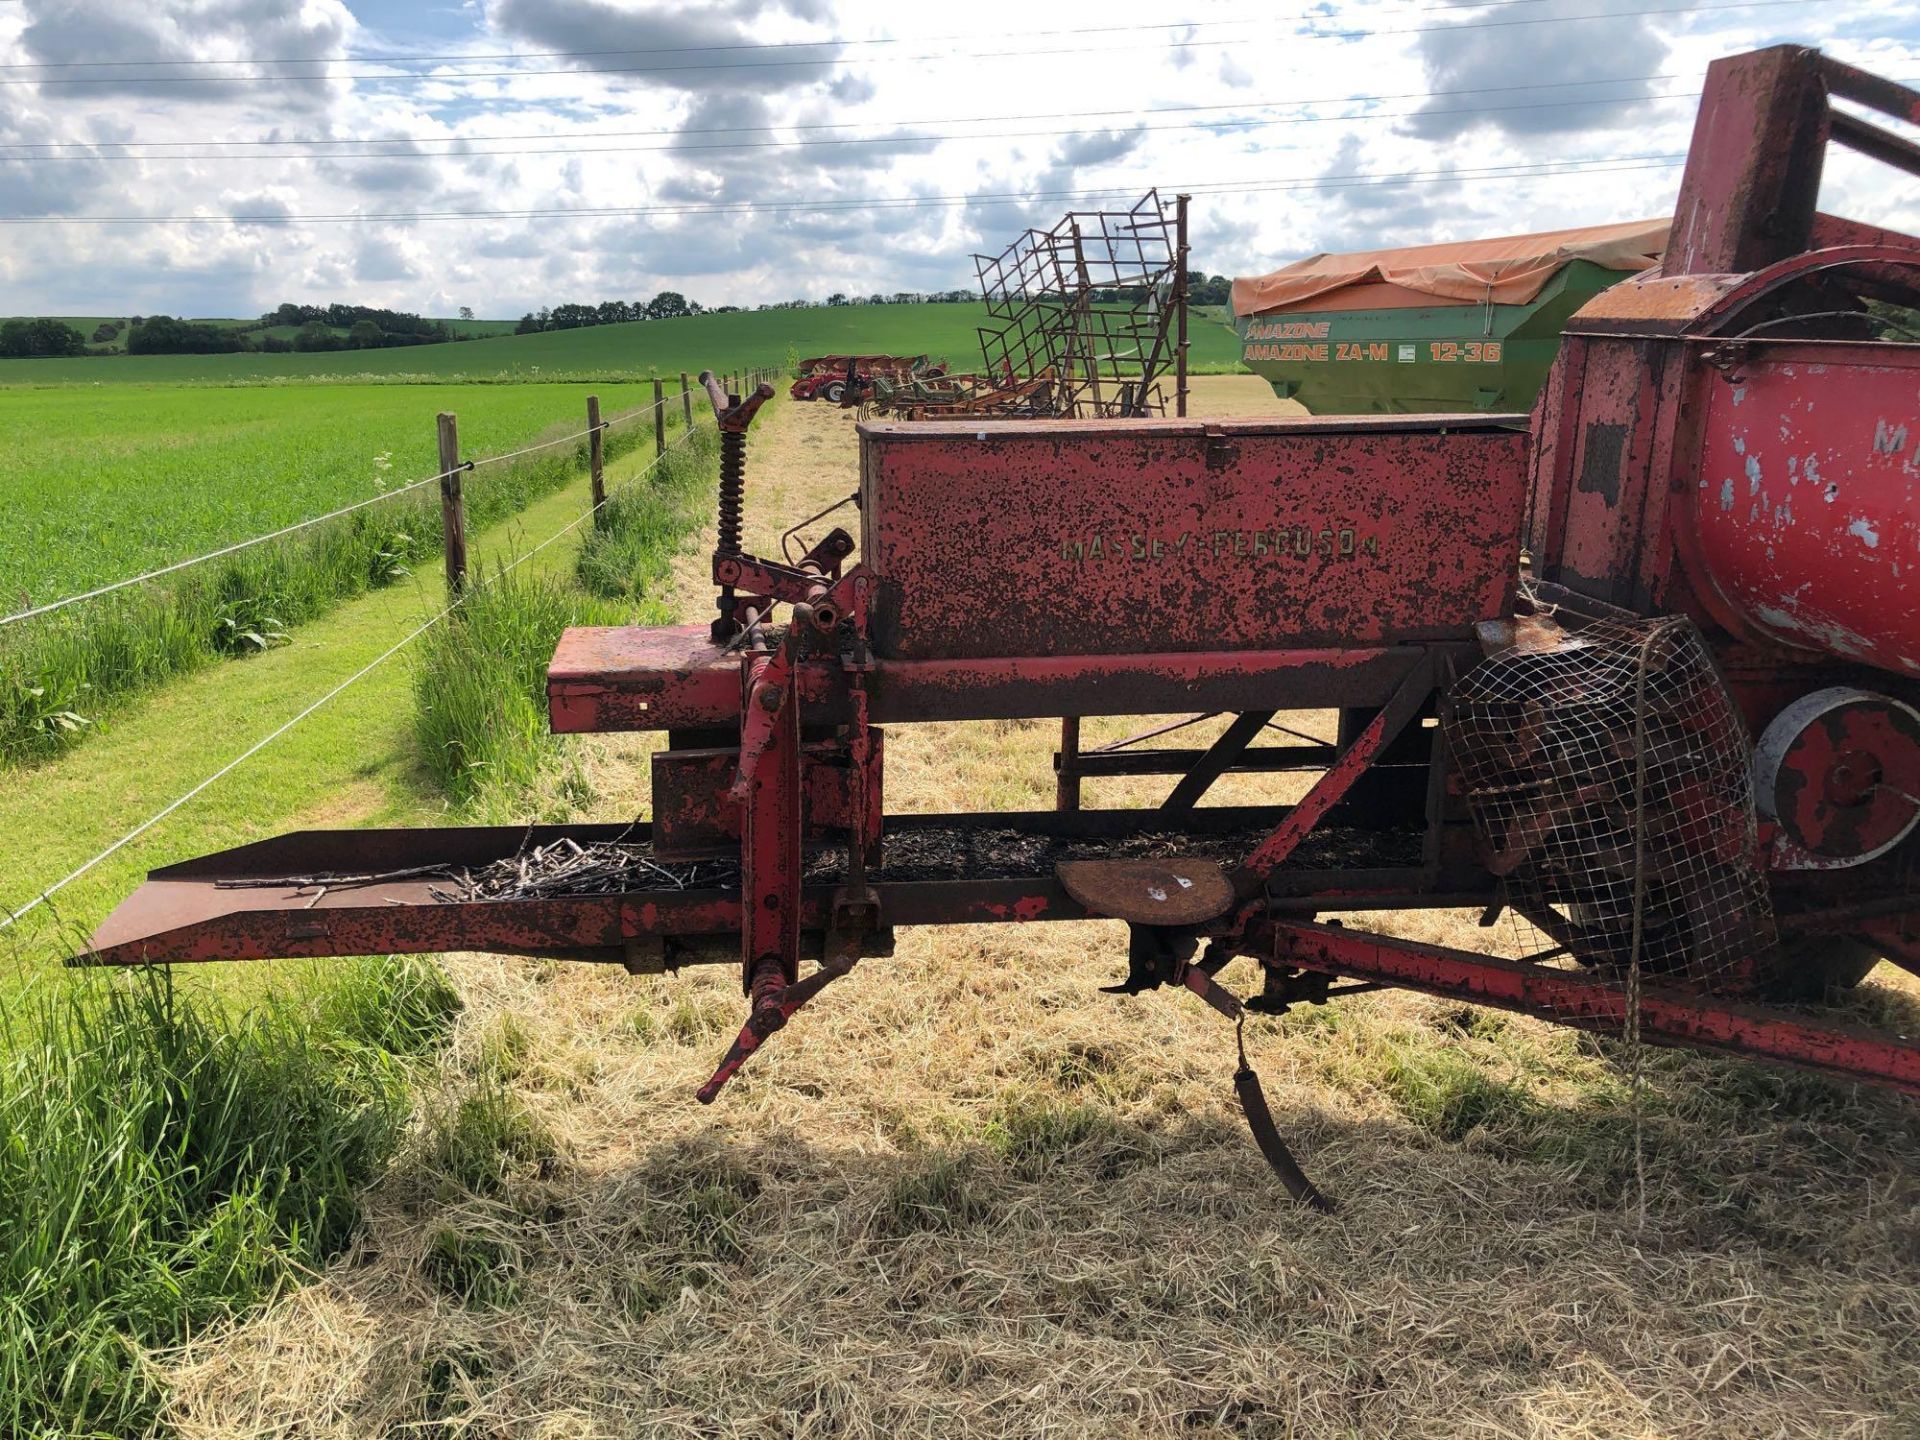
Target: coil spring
[{"x": 733, "y": 476}]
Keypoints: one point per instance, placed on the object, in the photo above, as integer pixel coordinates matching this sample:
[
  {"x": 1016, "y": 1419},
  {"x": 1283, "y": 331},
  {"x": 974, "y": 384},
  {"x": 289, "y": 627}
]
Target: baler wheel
[{"x": 834, "y": 391}]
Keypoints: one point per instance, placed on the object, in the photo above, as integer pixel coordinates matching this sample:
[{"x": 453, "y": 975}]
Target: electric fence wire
[
  {"x": 830, "y": 61},
  {"x": 46, "y": 895},
  {"x": 1597, "y": 165},
  {"x": 52, "y": 605}
]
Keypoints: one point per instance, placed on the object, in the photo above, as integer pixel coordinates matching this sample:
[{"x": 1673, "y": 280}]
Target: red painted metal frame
[
  {"x": 768, "y": 789},
  {"x": 1592, "y": 1002},
  {"x": 676, "y": 678}
]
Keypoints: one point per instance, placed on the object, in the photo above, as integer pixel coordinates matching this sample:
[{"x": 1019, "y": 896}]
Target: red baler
[{"x": 1642, "y": 668}]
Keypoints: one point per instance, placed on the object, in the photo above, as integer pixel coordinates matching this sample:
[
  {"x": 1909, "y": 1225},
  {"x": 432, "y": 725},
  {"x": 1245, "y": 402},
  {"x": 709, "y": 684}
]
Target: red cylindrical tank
[{"x": 1805, "y": 499}]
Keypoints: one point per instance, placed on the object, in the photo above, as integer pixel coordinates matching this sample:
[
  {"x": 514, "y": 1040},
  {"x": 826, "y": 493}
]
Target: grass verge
[
  {"x": 163, "y": 1164},
  {"x": 480, "y": 680},
  {"x": 629, "y": 554},
  {"x": 59, "y": 676}
]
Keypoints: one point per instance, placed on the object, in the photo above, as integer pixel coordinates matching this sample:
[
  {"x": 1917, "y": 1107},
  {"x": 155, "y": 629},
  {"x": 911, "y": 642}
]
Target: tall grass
[
  {"x": 60, "y": 675},
  {"x": 164, "y": 1164},
  {"x": 629, "y": 554},
  {"x": 480, "y": 679}
]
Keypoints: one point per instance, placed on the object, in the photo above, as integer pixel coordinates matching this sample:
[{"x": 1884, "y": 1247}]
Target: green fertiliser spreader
[{"x": 1468, "y": 325}]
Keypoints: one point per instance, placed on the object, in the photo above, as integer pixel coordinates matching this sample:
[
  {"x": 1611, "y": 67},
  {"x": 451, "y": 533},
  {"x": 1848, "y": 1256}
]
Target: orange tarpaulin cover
[{"x": 1506, "y": 271}]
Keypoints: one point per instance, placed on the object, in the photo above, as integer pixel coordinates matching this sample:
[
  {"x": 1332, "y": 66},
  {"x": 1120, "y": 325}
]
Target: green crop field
[
  {"x": 107, "y": 481},
  {"x": 665, "y": 347}
]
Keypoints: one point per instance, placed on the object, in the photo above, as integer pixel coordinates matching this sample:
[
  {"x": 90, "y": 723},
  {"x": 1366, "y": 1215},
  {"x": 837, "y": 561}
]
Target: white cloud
[{"x": 911, "y": 117}]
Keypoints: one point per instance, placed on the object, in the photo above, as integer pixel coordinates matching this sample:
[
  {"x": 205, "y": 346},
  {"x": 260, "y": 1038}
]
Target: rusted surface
[
  {"x": 1148, "y": 892},
  {"x": 694, "y": 813},
  {"x": 1652, "y": 304},
  {"x": 1803, "y": 504},
  {"x": 263, "y": 900},
  {"x": 1590, "y": 1002},
  {"x": 667, "y": 677},
  {"x": 1753, "y": 170},
  {"x": 1015, "y": 540},
  {"x": 622, "y": 678}
]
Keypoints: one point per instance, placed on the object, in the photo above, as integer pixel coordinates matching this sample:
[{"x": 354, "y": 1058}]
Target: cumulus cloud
[
  {"x": 379, "y": 258},
  {"x": 794, "y": 218},
  {"x": 257, "y": 209},
  {"x": 1548, "y": 56},
  {"x": 1097, "y": 147},
  {"x": 31, "y": 184},
  {"x": 680, "y": 46},
  {"x": 161, "y": 38}
]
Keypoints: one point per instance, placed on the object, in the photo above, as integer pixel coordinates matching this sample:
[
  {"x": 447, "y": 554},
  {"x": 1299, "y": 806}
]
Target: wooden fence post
[
  {"x": 453, "y": 508},
  {"x": 686, "y": 399},
  {"x": 659, "y": 419},
  {"x": 596, "y": 460}
]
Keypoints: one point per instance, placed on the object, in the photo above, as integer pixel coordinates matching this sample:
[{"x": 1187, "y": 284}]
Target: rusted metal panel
[
  {"x": 628, "y": 678},
  {"x": 1805, "y": 505},
  {"x": 1651, "y": 304},
  {"x": 262, "y": 900},
  {"x": 622, "y": 678},
  {"x": 694, "y": 813},
  {"x": 1051, "y": 539},
  {"x": 1600, "y": 489},
  {"x": 1753, "y": 170}
]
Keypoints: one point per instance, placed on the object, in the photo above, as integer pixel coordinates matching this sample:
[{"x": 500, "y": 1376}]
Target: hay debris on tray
[{"x": 568, "y": 868}]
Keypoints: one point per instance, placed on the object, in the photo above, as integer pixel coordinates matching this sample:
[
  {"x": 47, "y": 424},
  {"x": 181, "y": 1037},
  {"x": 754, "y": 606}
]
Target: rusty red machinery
[
  {"x": 837, "y": 378},
  {"x": 1643, "y": 669}
]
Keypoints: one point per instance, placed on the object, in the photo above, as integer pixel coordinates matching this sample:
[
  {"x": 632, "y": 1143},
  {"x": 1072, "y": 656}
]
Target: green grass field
[
  {"x": 663, "y": 347},
  {"x": 109, "y": 481}
]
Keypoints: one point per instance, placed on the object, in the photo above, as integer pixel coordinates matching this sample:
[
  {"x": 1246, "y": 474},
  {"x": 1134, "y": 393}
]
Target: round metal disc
[
  {"x": 1148, "y": 892},
  {"x": 1839, "y": 771}
]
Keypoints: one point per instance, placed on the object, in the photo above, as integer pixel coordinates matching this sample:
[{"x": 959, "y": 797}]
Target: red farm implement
[
  {"x": 839, "y": 379},
  {"x": 1643, "y": 671}
]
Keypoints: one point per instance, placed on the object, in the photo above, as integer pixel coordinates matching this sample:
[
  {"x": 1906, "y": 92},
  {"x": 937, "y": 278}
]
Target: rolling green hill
[
  {"x": 87, "y": 324},
  {"x": 665, "y": 347}
]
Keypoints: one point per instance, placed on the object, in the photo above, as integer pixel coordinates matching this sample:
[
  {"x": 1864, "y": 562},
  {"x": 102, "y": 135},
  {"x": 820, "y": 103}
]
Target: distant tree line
[
  {"x": 164, "y": 335},
  {"x": 364, "y": 327},
  {"x": 317, "y": 327},
  {"x": 40, "y": 339},
  {"x": 667, "y": 305},
  {"x": 1204, "y": 289},
  {"x": 671, "y": 305},
  {"x": 898, "y": 297}
]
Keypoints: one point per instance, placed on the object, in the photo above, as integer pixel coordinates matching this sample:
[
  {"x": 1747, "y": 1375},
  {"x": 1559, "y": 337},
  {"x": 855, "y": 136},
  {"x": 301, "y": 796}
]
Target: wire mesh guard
[
  {"x": 1087, "y": 305},
  {"x": 1609, "y": 777}
]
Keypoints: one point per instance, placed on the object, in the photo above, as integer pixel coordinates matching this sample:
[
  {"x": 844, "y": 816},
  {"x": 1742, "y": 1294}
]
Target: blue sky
[{"x": 879, "y": 157}]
